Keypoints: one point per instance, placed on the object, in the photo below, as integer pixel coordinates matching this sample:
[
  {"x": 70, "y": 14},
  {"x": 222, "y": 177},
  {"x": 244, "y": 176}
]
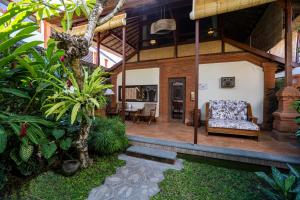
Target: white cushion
[{"x": 234, "y": 124}]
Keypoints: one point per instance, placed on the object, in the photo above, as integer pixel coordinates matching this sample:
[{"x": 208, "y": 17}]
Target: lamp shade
[
  {"x": 109, "y": 92},
  {"x": 163, "y": 26}
]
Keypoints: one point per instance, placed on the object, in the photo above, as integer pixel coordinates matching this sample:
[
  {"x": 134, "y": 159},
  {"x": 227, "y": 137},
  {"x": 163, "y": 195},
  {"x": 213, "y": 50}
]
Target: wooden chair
[
  {"x": 246, "y": 126},
  {"x": 147, "y": 112}
]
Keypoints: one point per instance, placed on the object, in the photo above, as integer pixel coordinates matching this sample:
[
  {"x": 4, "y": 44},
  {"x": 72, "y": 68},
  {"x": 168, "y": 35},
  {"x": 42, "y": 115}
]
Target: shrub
[
  {"x": 281, "y": 186},
  {"x": 108, "y": 136}
]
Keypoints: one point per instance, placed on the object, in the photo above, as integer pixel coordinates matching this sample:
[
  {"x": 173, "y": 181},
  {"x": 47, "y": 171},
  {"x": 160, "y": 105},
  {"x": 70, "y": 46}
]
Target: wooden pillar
[
  {"x": 98, "y": 50},
  {"x": 284, "y": 125},
  {"x": 269, "y": 93},
  {"x": 298, "y": 47},
  {"x": 288, "y": 43},
  {"x": 196, "y": 80},
  {"x": 123, "y": 72},
  {"x": 221, "y": 18}
]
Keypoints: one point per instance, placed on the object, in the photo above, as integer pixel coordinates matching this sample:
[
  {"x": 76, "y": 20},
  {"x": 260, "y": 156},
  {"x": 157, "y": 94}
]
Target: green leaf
[
  {"x": 54, "y": 108},
  {"x": 27, "y": 46},
  {"x": 278, "y": 177},
  {"x": 25, "y": 152},
  {"x": 16, "y": 92},
  {"x": 8, "y": 43},
  {"x": 48, "y": 150},
  {"x": 58, "y": 133},
  {"x": 294, "y": 171},
  {"x": 3, "y": 139},
  {"x": 94, "y": 101},
  {"x": 27, "y": 30},
  {"x": 297, "y": 197},
  {"x": 289, "y": 182},
  {"x": 265, "y": 177},
  {"x": 66, "y": 144},
  {"x": 74, "y": 112}
]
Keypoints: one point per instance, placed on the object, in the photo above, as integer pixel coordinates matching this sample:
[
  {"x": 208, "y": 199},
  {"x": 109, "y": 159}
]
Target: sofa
[{"x": 231, "y": 117}]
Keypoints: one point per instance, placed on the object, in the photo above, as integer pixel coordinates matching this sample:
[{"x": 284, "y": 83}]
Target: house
[
  {"x": 230, "y": 46},
  {"x": 179, "y": 54}
]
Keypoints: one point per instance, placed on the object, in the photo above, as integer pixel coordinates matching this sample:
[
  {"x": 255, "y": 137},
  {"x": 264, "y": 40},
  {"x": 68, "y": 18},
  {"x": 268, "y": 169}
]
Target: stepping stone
[{"x": 152, "y": 154}]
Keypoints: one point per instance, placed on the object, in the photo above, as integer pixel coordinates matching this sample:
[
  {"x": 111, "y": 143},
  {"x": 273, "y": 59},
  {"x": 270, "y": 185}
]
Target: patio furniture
[
  {"x": 131, "y": 112},
  {"x": 147, "y": 112},
  {"x": 231, "y": 117}
]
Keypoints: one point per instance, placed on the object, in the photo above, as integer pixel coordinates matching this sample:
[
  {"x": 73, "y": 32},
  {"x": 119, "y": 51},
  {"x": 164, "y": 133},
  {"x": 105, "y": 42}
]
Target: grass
[
  {"x": 210, "y": 179},
  {"x": 52, "y": 186}
]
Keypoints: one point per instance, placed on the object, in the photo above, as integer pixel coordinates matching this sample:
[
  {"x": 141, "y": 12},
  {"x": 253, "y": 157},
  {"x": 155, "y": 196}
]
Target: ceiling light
[{"x": 152, "y": 42}]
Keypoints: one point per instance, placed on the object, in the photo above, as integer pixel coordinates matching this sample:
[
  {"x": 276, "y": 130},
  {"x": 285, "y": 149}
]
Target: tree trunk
[{"x": 82, "y": 145}]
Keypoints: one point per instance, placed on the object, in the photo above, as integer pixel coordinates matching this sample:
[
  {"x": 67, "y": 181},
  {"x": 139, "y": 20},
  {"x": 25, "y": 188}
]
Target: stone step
[{"x": 152, "y": 154}]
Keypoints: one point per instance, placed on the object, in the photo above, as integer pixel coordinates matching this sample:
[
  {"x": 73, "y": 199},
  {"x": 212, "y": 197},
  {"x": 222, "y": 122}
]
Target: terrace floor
[{"x": 178, "y": 132}]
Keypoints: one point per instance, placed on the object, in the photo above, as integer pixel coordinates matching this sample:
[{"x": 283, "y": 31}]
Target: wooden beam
[
  {"x": 120, "y": 39},
  {"x": 123, "y": 72},
  {"x": 196, "y": 81},
  {"x": 288, "y": 43},
  {"x": 257, "y": 51}
]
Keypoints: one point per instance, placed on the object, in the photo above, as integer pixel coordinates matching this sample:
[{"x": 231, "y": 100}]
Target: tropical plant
[
  {"x": 68, "y": 97},
  {"x": 108, "y": 136},
  {"x": 281, "y": 186}
]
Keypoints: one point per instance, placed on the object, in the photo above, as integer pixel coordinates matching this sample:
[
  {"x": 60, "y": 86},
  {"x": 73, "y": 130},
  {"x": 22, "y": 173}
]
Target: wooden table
[{"x": 131, "y": 111}]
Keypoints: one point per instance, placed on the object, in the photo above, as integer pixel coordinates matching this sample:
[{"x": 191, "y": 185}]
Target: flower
[
  {"x": 69, "y": 83},
  {"x": 23, "y": 131},
  {"x": 62, "y": 59}
]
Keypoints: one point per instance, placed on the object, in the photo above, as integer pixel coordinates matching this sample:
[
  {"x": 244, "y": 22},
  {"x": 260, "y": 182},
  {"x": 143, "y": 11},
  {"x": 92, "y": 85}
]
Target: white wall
[
  {"x": 249, "y": 85},
  {"x": 148, "y": 76}
]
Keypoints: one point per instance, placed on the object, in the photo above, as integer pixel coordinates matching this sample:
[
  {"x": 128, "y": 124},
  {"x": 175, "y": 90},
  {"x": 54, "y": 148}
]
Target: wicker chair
[{"x": 147, "y": 113}]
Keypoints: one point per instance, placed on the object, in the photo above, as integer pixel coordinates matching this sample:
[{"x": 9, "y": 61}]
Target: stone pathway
[{"x": 137, "y": 180}]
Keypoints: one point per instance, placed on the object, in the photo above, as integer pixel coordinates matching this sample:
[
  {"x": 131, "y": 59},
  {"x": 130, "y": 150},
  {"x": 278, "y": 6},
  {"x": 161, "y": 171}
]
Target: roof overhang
[{"x": 207, "y": 8}]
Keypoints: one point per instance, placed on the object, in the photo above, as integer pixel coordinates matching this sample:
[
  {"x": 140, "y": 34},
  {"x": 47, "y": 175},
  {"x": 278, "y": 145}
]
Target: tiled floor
[{"x": 181, "y": 133}]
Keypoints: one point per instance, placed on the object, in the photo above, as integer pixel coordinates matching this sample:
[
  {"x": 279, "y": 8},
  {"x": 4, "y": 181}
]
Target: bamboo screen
[
  {"x": 207, "y": 8},
  {"x": 116, "y": 21}
]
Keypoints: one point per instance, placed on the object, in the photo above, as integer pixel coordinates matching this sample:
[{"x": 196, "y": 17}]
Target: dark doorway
[{"x": 177, "y": 99}]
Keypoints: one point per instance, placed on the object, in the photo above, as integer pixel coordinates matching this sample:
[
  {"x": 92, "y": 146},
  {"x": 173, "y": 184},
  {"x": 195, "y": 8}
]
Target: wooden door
[{"x": 177, "y": 99}]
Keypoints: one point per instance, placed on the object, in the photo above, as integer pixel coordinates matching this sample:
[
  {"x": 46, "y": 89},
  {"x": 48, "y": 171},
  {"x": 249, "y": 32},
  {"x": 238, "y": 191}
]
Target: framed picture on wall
[{"x": 228, "y": 82}]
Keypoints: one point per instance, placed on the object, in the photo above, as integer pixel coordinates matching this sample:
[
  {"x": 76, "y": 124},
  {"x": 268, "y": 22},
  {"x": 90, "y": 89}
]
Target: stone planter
[{"x": 70, "y": 167}]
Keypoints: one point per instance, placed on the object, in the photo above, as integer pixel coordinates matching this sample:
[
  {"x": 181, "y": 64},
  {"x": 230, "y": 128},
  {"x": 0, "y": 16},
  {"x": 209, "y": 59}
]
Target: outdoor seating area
[
  {"x": 145, "y": 113},
  {"x": 181, "y": 133}
]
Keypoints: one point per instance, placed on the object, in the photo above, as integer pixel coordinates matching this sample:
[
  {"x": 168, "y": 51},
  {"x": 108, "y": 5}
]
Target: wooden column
[
  {"x": 288, "y": 43},
  {"x": 298, "y": 48},
  {"x": 196, "y": 80},
  {"x": 98, "y": 50},
  {"x": 123, "y": 71},
  {"x": 221, "y": 18},
  {"x": 269, "y": 93}
]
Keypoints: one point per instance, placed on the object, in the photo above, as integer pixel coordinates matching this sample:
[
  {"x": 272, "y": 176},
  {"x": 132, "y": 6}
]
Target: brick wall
[{"x": 182, "y": 67}]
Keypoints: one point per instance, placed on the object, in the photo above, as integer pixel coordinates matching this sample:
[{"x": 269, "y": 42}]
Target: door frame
[{"x": 169, "y": 99}]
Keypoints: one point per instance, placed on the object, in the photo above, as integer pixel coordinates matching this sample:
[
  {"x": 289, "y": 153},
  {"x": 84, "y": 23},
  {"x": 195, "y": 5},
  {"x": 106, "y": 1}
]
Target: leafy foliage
[
  {"x": 108, "y": 136},
  {"x": 281, "y": 186},
  {"x": 69, "y": 97}
]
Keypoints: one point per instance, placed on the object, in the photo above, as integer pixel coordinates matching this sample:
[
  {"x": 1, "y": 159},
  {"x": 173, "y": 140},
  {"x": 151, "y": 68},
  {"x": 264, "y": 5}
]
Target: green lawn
[
  {"x": 201, "y": 179},
  {"x": 209, "y": 180},
  {"x": 52, "y": 186}
]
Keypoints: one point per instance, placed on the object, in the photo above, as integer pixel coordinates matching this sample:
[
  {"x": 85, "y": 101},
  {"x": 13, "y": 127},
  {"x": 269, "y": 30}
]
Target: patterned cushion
[
  {"x": 235, "y": 124},
  {"x": 227, "y": 109}
]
